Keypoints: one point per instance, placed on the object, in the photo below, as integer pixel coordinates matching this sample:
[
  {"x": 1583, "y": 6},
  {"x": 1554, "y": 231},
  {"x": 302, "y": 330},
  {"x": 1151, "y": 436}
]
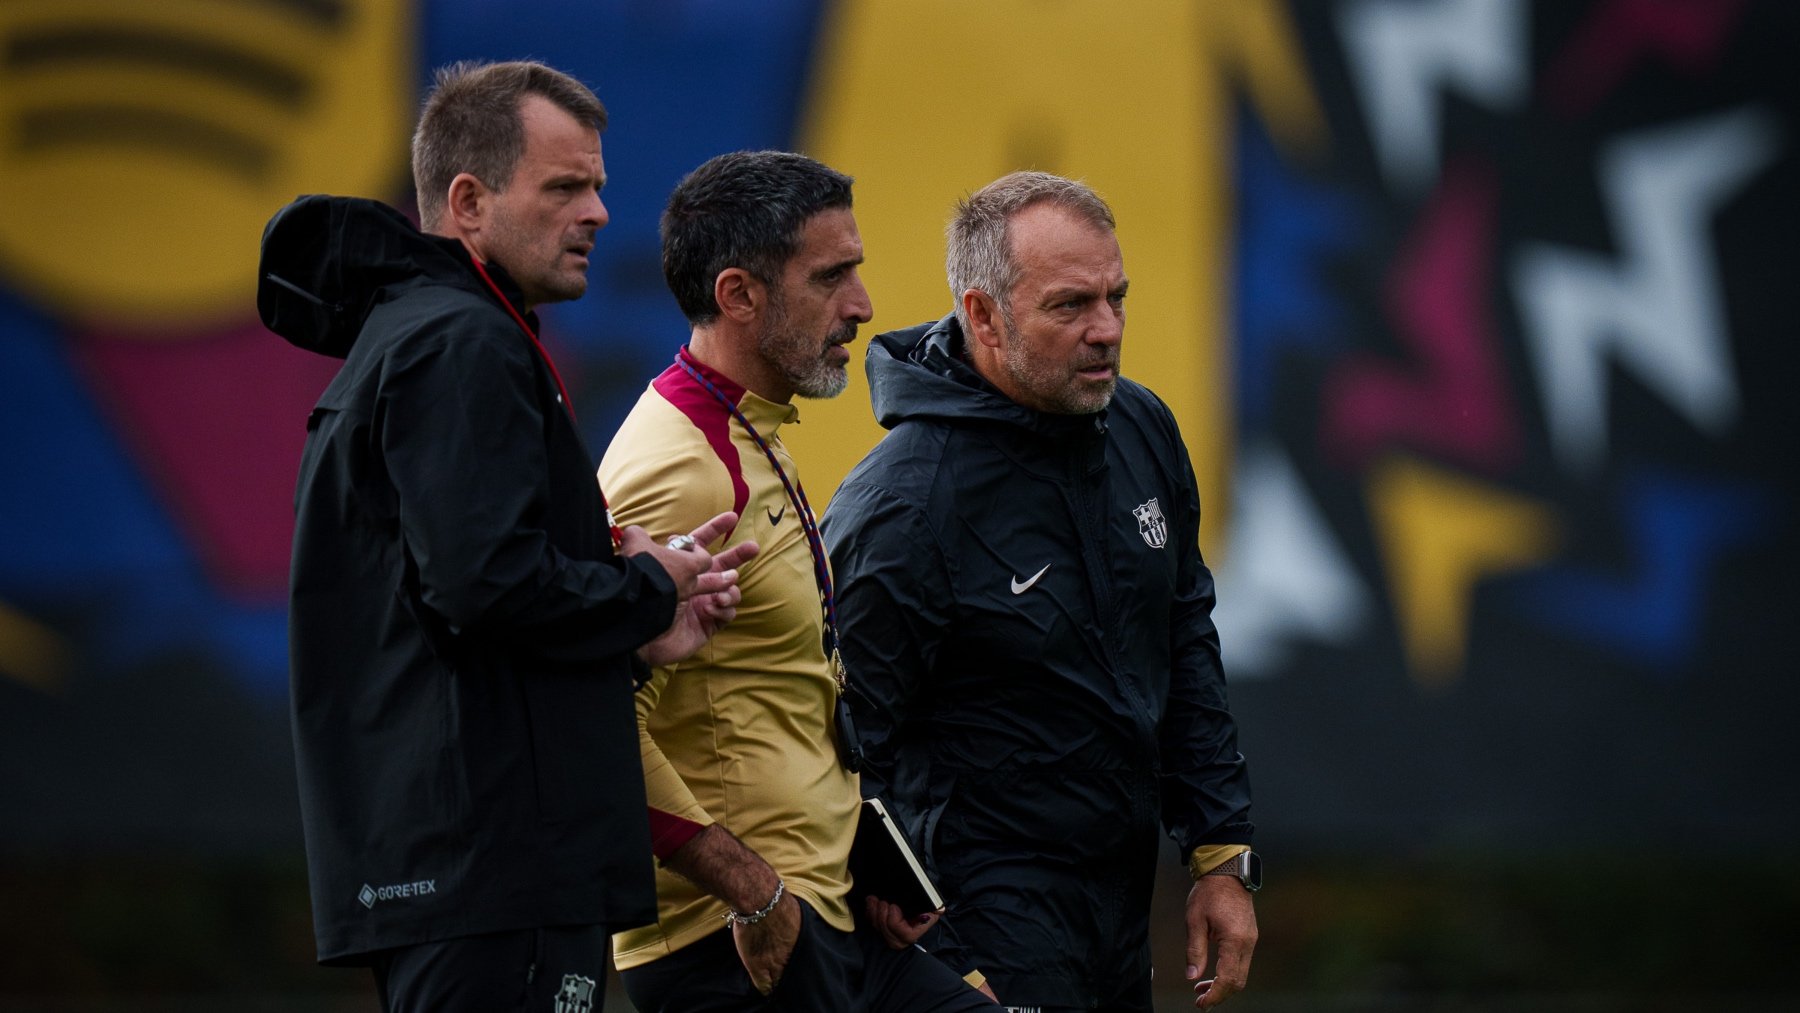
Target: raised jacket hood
[
  {"x": 920, "y": 373},
  {"x": 326, "y": 259}
]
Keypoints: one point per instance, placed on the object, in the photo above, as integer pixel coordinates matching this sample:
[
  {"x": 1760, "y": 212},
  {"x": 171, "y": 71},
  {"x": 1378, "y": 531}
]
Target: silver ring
[{"x": 682, "y": 543}]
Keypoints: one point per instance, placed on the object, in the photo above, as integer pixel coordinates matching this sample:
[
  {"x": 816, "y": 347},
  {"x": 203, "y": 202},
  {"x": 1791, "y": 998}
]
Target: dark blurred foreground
[{"x": 1566, "y": 934}]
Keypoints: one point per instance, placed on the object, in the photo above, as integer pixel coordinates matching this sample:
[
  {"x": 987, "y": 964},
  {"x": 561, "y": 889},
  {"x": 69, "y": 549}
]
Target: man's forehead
[
  {"x": 1049, "y": 241},
  {"x": 830, "y": 235},
  {"x": 553, "y": 132}
]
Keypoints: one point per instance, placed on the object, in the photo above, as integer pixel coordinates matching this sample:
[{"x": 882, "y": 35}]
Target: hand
[
  {"x": 1219, "y": 913},
  {"x": 721, "y": 865},
  {"x": 696, "y": 620},
  {"x": 695, "y": 570},
  {"x": 713, "y": 597},
  {"x": 766, "y": 946},
  {"x": 898, "y": 930}
]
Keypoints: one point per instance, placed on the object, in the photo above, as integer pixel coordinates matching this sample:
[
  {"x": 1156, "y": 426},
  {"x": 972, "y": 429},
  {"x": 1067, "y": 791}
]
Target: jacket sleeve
[
  {"x": 675, "y": 815},
  {"x": 893, "y": 592},
  {"x": 463, "y": 436},
  {"x": 1205, "y": 783}
]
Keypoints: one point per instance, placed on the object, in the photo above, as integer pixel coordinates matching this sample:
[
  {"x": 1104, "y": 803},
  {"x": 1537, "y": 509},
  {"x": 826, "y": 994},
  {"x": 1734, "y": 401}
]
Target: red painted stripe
[{"x": 709, "y": 416}]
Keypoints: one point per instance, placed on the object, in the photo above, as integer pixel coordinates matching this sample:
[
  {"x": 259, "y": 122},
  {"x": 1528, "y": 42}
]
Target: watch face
[{"x": 1252, "y": 870}]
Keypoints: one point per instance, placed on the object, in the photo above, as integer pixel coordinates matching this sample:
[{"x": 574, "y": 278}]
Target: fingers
[
  {"x": 737, "y": 555},
  {"x": 1213, "y": 991},
  {"x": 718, "y": 582},
  {"x": 878, "y": 917},
  {"x": 763, "y": 980},
  {"x": 1221, "y": 917},
  {"x": 895, "y": 928},
  {"x": 717, "y": 609},
  {"x": 687, "y": 567},
  {"x": 888, "y": 921},
  {"x": 709, "y": 532},
  {"x": 917, "y": 927},
  {"x": 682, "y": 566},
  {"x": 766, "y": 947},
  {"x": 1196, "y": 935},
  {"x": 633, "y": 540},
  {"x": 1233, "y": 974}
]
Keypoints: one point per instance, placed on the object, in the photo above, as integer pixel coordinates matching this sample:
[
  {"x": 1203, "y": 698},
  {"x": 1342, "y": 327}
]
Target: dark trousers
[
  {"x": 1133, "y": 998},
  {"x": 830, "y": 972},
  {"x": 554, "y": 970}
]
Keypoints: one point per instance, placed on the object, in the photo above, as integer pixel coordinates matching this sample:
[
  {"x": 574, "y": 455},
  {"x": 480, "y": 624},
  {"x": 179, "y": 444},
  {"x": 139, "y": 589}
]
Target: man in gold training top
[{"x": 753, "y": 797}]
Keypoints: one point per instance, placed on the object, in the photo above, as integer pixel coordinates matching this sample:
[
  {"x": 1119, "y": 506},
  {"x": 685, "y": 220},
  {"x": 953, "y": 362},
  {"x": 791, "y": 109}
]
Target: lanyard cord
[
  {"x": 797, "y": 497},
  {"x": 612, "y": 526}
]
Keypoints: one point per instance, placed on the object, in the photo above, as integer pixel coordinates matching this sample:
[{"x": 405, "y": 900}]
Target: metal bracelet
[{"x": 738, "y": 918}]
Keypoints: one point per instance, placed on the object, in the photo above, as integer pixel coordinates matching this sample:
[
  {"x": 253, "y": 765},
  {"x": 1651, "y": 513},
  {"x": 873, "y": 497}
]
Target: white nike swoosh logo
[{"x": 1019, "y": 587}]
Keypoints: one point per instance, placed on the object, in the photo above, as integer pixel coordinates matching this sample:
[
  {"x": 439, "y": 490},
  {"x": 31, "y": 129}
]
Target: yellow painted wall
[
  {"x": 926, "y": 101},
  {"x": 115, "y": 211}
]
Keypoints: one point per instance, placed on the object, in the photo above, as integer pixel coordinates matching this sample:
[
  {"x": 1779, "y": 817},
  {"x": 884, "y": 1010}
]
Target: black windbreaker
[
  {"x": 1027, "y": 627},
  {"x": 462, "y": 634}
]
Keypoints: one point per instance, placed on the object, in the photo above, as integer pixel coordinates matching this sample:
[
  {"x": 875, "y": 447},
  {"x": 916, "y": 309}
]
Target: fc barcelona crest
[
  {"x": 576, "y": 995},
  {"x": 1151, "y": 524}
]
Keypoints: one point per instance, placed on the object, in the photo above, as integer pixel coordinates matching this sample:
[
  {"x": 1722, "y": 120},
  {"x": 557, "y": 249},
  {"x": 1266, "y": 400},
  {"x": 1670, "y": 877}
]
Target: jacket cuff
[{"x": 1205, "y": 858}]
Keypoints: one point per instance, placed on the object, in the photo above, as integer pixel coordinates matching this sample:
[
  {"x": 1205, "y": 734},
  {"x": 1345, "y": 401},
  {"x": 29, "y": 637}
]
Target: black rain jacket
[
  {"x": 1034, "y": 669},
  {"x": 461, "y": 632}
]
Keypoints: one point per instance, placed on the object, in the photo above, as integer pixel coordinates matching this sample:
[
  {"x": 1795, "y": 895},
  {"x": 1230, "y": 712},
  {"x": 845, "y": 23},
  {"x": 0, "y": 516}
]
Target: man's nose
[
  {"x": 861, "y": 308},
  {"x": 595, "y": 212},
  {"x": 1109, "y": 325}
]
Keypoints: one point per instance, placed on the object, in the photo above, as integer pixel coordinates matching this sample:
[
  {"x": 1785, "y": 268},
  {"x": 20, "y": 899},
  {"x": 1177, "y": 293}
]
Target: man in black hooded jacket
[
  {"x": 1027, "y": 621},
  {"x": 466, "y": 623}
]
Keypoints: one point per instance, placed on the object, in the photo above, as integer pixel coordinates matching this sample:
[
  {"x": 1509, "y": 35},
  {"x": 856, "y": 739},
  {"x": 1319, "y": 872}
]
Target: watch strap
[
  {"x": 1233, "y": 867},
  {"x": 1208, "y": 857}
]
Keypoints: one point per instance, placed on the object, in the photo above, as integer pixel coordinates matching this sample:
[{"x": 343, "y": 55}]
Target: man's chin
[
  {"x": 825, "y": 384},
  {"x": 1091, "y": 397},
  {"x": 567, "y": 289}
]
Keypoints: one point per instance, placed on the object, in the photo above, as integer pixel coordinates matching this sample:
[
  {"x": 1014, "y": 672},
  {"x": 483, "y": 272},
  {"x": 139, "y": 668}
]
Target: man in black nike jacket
[
  {"x": 466, "y": 623},
  {"x": 1027, "y": 621}
]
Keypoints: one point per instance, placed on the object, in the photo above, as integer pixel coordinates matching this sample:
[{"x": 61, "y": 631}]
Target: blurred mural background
[{"x": 1478, "y": 316}]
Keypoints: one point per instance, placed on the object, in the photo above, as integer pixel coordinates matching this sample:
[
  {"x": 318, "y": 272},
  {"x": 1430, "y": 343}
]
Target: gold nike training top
[{"x": 740, "y": 733}]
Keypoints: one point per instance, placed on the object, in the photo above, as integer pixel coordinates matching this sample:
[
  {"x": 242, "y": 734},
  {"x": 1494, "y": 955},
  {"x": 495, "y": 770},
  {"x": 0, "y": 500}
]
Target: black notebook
[{"x": 883, "y": 864}]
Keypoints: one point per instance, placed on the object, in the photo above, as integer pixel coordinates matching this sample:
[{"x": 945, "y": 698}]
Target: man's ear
[
  {"x": 740, "y": 296},
  {"x": 467, "y": 201},
  {"x": 984, "y": 317}
]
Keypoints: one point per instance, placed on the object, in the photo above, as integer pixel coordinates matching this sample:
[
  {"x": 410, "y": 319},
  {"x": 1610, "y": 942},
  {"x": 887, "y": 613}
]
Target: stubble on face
[
  {"x": 1059, "y": 352},
  {"x": 1056, "y": 386},
  {"x": 543, "y": 272},
  {"x": 801, "y": 359}
]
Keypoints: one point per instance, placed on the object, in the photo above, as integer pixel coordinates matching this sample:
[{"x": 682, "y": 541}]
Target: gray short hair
[
  {"x": 471, "y": 123},
  {"x": 978, "y": 238}
]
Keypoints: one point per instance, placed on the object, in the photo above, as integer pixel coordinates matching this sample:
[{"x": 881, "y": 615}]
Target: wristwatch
[{"x": 1247, "y": 867}]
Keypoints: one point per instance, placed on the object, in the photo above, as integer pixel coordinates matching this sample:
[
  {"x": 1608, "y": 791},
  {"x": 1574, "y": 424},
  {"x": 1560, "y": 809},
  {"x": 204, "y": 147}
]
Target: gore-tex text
[{"x": 369, "y": 895}]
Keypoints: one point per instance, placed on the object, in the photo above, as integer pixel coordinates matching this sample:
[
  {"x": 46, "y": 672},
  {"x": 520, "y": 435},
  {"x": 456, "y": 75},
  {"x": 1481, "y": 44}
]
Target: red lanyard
[
  {"x": 618, "y": 536},
  {"x": 796, "y": 495}
]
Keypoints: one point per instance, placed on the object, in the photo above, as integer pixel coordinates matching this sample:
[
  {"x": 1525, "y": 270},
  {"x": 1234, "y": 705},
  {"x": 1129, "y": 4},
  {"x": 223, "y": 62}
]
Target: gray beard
[{"x": 800, "y": 360}]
